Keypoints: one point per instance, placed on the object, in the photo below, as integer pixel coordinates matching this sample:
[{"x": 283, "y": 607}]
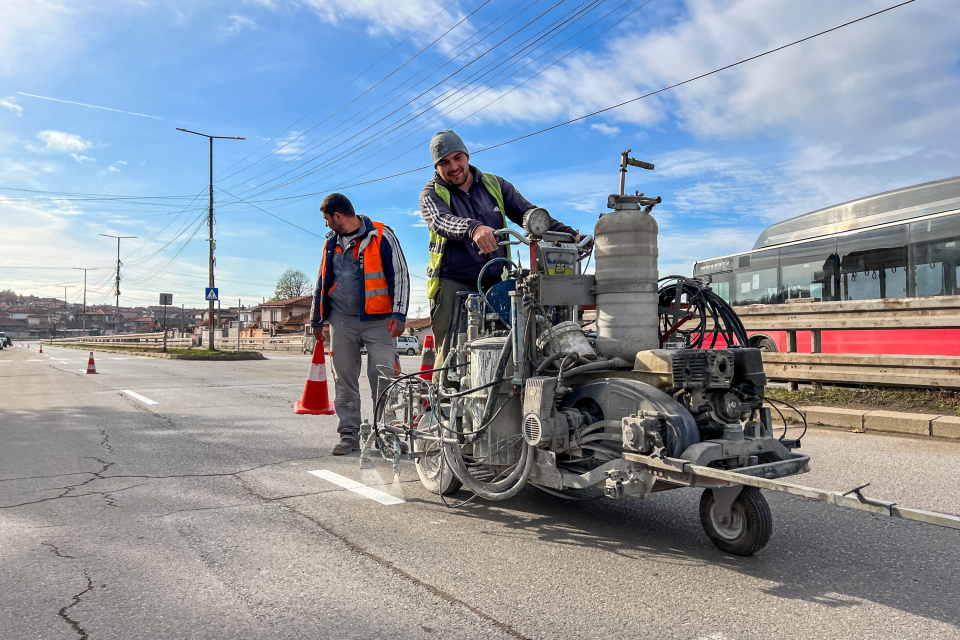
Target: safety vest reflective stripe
[{"x": 438, "y": 244}]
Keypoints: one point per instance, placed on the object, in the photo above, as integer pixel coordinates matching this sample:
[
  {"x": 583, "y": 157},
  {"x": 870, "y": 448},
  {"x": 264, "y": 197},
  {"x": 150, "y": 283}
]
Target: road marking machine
[{"x": 660, "y": 391}]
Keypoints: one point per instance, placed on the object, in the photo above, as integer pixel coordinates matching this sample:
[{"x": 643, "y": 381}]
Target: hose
[
  {"x": 518, "y": 477},
  {"x": 614, "y": 363}
]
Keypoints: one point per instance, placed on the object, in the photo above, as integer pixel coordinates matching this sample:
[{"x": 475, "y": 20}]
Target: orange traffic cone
[
  {"x": 315, "y": 400},
  {"x": 91, "y": 367},
  {"x": 41, "y": 347},
  {"x": 428, "y": 359}
]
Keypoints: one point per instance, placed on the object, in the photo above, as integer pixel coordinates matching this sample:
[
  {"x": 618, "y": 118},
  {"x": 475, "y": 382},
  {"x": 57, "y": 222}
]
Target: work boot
[{"x": 345, "y": 446}]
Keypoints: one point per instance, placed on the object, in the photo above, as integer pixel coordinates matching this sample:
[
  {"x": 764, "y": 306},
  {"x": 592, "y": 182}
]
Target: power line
[{"x": 626, "y": 102}]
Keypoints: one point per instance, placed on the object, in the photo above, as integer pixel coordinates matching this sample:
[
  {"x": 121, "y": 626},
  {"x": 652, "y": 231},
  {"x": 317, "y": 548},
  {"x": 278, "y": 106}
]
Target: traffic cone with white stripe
[
  {"x": 41, "y": 347},
  {"x": 91, "y": 367},
  {"x": 428, "y": 359},
  {"x": 315, "y": 400}
]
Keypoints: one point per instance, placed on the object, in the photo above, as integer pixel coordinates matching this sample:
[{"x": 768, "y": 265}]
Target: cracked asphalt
[{"x": 196, "y": 517}]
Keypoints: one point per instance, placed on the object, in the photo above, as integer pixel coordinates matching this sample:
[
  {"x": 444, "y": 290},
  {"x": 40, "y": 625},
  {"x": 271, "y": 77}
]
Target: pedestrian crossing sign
[{"x": 213, "y": 294}]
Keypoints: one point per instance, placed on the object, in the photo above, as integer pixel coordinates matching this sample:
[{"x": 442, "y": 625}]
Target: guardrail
[
  {"x": 936, "y": 372},
  {"x": 896, "y": 313},
  {"x": 941, "y": 312},
  {"x": 266, "y": 343},
  {"x": 139, "y": 341}
]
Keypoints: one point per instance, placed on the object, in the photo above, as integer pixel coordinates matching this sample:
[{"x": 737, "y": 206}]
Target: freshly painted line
[
  {"x": 356, "y": 487},
  {"x": 138, "y": 396},
  {"x": 37, "y": 360},
  {"x": 64, "y": 362}
]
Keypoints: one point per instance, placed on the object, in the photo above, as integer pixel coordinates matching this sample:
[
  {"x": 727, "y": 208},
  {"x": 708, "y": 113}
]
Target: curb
[{"x": 863, "y": 421}]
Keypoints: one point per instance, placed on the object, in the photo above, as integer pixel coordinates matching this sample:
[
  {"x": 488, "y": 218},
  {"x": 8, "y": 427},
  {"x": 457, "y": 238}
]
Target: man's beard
[{"x": 463, "y": 178}]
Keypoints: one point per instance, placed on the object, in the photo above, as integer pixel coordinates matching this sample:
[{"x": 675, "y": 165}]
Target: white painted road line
[
  {"x": 37, "y": 360},
  {"x": 64, "y": 362},
  {"x": 138, "y": 396},
  {"x": 356, "y": 487}
]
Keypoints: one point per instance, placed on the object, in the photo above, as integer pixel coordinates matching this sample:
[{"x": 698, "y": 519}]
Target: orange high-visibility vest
[{"x": 376, "y": 292}]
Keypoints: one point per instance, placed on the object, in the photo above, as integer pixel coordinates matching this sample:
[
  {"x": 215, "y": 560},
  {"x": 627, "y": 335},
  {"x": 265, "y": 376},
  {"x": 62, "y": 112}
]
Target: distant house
[
  {"x": 281, "y": 316},
  {"x": 147, "y": 325},
  {"x": 420, "y": 327}
]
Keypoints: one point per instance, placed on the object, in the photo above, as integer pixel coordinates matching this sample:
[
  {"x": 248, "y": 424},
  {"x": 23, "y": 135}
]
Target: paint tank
[{"x": 626, "y": 264}]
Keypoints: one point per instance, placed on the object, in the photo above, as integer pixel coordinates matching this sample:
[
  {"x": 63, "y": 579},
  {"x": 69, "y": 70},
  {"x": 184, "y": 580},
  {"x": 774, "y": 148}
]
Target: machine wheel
[
  {"x": 428, "y": 466},
  {"x": 751, "y": 525},
  {"x": 411, "y": 352}
]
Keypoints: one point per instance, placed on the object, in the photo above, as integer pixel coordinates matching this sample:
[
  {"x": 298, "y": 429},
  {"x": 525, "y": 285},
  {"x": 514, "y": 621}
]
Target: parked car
[
  {"x": 408, "y": 345},
  {"x": 4, "y": 340}
]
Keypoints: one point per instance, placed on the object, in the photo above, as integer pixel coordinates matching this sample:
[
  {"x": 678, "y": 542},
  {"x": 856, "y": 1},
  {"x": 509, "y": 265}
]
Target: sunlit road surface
[{"x": 170, "y": 499}]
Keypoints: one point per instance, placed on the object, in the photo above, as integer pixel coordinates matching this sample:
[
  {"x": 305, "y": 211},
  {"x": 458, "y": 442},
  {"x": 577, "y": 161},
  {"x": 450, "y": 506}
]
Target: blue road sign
[{"x": 212, "y": 293}]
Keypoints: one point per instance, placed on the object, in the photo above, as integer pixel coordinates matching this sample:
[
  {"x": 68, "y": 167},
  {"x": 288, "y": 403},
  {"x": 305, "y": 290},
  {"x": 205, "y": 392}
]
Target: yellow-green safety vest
[{"x": 438, "y": 243}]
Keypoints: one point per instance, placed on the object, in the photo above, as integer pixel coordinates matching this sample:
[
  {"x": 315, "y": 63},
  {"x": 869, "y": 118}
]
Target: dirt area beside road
[{"x": 930, "y": 401}]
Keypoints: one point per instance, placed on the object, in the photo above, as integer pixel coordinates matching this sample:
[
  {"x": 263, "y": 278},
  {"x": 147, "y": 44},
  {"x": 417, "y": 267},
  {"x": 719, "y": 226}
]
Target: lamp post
[{"x": 212, "y": 242}]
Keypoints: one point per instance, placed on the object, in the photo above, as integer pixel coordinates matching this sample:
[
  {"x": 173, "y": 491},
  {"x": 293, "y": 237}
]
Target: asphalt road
[{"x": 197, "y": 517}]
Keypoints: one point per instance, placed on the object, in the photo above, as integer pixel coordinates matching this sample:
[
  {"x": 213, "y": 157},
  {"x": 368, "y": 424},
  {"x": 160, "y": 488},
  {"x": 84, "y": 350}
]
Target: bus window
[
  {"x": 873, "y": 264},
  {"x": 810, "y": 270},
  {"x": 935, "y": 256},
  {"x": 722, "y": 289},
  {"x": 755, "y": 282}
]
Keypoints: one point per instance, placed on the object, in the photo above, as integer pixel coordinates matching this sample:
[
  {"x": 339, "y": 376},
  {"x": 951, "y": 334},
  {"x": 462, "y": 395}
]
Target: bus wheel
[{"x": 763, "y": 343}]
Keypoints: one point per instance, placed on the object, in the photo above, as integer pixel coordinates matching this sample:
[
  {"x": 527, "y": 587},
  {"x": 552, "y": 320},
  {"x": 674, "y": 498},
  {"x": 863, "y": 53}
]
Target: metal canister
[{"x": 626, "y": 271}]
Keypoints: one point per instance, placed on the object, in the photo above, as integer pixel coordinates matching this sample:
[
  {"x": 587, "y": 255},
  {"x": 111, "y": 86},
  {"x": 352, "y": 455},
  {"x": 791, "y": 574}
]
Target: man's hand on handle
[
  {"x": 395, "y": 327},
  {"x": 484, "y": 239}
]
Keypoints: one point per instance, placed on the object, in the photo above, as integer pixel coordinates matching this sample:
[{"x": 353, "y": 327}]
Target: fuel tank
[{"x": 626, "y": 271}]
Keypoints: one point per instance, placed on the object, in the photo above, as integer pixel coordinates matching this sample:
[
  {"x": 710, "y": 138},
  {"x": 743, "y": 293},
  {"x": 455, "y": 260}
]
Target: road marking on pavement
[
  {"x": 64, "y": 362},
  {"x": 356, "y": 487},
  {"x": 37, "y": 360},
  {"x": 139, "y": 397}
]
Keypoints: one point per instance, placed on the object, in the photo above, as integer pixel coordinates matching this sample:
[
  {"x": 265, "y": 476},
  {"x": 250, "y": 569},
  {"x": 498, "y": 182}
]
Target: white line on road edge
[
  {"x": 64, "y": 362},
  {"x": 356, "y": 487},
  {"x": 138, "y": 397}
]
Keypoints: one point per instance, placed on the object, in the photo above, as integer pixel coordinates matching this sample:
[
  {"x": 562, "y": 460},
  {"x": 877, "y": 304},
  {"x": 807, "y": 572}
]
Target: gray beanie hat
[{"x": 444, "y": 143}]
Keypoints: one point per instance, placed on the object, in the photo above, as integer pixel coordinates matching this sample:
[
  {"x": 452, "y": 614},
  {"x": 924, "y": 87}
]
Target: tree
[{"x": 292, "y": 284}]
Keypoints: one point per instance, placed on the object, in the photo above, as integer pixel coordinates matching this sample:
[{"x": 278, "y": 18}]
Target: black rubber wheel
[
  {"x": 763, "y": 343},
  {"x": 411, "y": 352},
  {"x": 428, "y": 466},
  {"x": 751, "y": 525}
]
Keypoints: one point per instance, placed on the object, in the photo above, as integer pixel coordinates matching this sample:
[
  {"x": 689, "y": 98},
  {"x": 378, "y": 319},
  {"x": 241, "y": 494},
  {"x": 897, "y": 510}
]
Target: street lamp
[{"x": 210, "y": 239}]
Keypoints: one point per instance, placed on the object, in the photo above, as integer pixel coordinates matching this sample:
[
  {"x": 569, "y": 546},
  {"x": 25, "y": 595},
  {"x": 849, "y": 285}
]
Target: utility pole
[
  {"x": 65, "y": 287},
  {"x": 116, "y": 318},
  {"x": 212, "y": 242},
  {"x": 84, "y": 316}
]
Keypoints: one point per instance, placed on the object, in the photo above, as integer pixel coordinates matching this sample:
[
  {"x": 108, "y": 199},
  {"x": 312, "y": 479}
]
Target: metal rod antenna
[
  {"x": 212, "y": 242},
  {"x": 116, "y": 318}
]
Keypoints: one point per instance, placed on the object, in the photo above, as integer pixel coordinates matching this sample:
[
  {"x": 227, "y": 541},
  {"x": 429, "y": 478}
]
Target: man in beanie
[
  {"x": 463, "y": 207},
  {"x": 363, "y": 290}
]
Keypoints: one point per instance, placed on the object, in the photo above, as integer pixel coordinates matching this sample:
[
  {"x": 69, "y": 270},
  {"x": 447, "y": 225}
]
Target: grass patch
[{"x": 939, "y": 401}]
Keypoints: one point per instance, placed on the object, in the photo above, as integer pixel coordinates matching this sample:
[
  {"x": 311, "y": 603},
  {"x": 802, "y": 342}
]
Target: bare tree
[{"x": 292, "y": 284}]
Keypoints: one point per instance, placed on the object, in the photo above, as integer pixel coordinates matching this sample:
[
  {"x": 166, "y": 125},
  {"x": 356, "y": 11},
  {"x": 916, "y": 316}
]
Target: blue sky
[{"x": 866, "y": 109}]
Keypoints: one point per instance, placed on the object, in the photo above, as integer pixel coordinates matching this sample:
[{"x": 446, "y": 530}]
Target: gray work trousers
[
  {"x": 441, "y": 312},
  {"x": 347, "y": 334}
]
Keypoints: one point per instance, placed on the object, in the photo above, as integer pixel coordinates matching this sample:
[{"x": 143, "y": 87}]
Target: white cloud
[
  {"x": 394, "y": 18},
  {"x": 82, "y": 159},
  {"x": 605, "y": 129},
  {"x": 290, "y": 145},
  {"x": 63, "y": 142},
  {"x": 237, "y": 24},
  {"x": 11, "y": 104},
  {"x": 877, "y": 85}
]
